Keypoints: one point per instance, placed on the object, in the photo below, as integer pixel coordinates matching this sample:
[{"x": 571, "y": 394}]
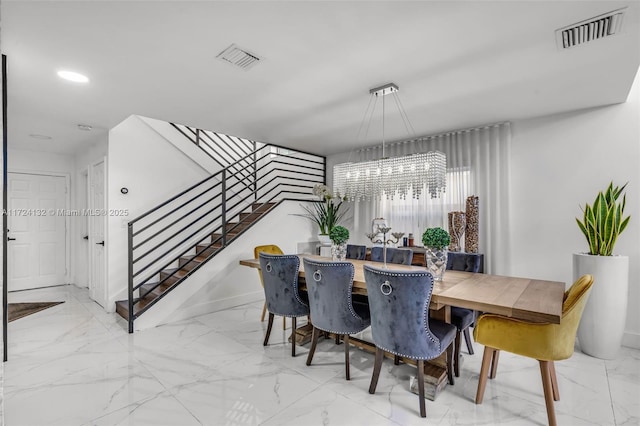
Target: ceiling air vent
[
  {"x": 595, "y": 28},
  {"x": 238, "y": 57}
]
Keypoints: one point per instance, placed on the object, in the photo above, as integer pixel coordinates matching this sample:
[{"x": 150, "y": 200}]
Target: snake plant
[{"x": 604, "y": 221}]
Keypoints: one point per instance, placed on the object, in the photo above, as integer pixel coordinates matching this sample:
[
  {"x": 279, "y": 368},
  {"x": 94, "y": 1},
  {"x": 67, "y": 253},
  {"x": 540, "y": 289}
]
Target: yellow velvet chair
[
  {"x": 269, "y": 249},
  {"x": 545, "y": 342}
]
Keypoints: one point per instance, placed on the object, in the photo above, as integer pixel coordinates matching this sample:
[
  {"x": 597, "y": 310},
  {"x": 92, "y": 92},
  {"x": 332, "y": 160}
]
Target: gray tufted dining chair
[
  {"x": 400, "y": 324},
  {"x": 280, "y": 276},
  {"x": 394, "y": 255},
  {"x": 356, "y": 252},
  {"x": 329, "y": 286}
]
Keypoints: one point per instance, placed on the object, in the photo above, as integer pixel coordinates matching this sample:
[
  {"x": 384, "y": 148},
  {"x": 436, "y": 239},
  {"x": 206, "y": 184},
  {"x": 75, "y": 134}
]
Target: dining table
[{"x": 527, "y": 299}]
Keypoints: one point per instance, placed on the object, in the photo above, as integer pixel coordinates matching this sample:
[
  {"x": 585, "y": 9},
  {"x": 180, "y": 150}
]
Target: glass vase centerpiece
[
  {"x": 375, "y": 239},
  {"x": 326, "y": 213},
  {"x": 339, "y": 236},
  {"x": 436, "y": 241}
]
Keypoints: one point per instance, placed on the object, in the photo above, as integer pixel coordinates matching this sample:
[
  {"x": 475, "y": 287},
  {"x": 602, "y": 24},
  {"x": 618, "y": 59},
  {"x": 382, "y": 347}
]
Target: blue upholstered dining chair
[
  {"x": 394, "y": 255},
  {"x": 400, "y": 323},
  {"x": 280, "y": 277},
  {"x": 329, "y": 286},
  {"x": 356, "y": 252},
  {"x": 460, "y": 317}
]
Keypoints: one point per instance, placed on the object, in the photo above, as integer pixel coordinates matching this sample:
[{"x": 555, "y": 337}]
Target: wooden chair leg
[
  {"x": 337, "y": 339},
  {"x": 346, "y": 356},
  {"x": 269, "y": 325},
  {"x": 554, "y": 381},
  {"x": 484, "y": 372},
  {"x": 293, "y": 336},
  {"x": 284, "y": 323},
  {"x": 264, "y": 312},
  {"x": 314, "y": 342},
  {"x": 376, "y": 370},
  {"x": 545, "y": 371},
  {"x": 396, "y": 360},
  {"x": 450, "y": 351},
  {"x": 467, "y": 339},
  {"x": 420, "y": 378},
  {"x": 456, "y": 355},
  {"x": 494, "y": 363}
]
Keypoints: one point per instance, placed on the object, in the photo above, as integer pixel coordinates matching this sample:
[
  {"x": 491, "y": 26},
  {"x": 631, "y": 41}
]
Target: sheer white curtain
[{"x": 477, "y": 164}]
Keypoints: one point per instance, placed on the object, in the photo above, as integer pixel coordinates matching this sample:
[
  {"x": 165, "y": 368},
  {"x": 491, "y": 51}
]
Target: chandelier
[{"x": 397, "y": 176}]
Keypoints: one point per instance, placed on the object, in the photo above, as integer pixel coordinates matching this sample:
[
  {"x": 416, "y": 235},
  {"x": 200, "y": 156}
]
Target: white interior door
[
  {"x": 97, "y": 225},
  {"x": 37, "y": 252}
]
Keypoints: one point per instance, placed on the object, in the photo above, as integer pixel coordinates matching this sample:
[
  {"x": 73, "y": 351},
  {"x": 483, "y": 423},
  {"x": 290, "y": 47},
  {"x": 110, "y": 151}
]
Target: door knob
[{"x": 101, "y": 243}]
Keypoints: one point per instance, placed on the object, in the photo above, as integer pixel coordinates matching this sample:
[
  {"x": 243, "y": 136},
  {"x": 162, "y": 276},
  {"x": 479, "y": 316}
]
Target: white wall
[
  {"x": 152, "y": 169},
  {"x": 558, "y": 164}
]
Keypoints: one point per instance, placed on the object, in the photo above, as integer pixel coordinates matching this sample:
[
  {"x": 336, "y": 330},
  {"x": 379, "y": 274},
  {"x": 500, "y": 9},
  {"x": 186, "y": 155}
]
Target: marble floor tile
[{"x": 75, "y": 364}]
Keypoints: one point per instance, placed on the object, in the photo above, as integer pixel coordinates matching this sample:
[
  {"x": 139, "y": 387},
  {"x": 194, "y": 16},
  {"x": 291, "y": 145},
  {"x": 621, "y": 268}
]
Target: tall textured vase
[
  {"x": 457, "y": 224},
  {"x": 472, "y": 216},
  {"x": 603, "y": 320}
]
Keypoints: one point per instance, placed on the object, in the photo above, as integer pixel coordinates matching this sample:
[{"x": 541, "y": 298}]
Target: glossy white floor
[{"x": 73, "y": 364}]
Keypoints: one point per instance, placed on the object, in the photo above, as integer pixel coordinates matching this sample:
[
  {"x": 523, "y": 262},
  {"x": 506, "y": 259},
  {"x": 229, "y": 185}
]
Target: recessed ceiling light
[
  {"x": 85, "y": 127},
  {"x": 73, "y": 76},
  {"x": 37, "y": 136}
]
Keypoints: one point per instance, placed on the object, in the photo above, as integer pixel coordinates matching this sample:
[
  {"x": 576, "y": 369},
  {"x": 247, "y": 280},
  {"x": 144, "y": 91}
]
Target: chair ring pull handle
[
  {"x": 268, "y": 267},
  {"x": 386, "y": 288},
  {"x": 317, "y": 276}
]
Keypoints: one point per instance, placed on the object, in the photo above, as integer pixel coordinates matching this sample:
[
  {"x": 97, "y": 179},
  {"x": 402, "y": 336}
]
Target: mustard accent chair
[
  {"x": 268, "y": 249},
  {"x": 545, "y": 342}
]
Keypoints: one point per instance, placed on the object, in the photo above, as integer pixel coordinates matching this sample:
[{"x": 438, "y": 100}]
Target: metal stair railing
[{"x": 199, "y": 221}]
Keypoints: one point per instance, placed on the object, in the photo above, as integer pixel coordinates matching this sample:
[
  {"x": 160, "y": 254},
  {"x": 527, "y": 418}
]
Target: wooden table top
[{"x": 522, "y": 298}]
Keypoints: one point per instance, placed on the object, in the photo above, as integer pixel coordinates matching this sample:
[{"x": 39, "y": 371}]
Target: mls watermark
[{"x": 65, "y": 212}]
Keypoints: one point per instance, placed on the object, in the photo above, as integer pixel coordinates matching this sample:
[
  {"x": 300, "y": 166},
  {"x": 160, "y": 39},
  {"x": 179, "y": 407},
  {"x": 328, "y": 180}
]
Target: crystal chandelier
[{"x": 415, "y": 173}]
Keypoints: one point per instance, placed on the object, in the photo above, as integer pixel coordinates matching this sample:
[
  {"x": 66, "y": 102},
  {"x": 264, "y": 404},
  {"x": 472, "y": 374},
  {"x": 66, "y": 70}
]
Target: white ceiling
[{"x": 458, "y": 64}]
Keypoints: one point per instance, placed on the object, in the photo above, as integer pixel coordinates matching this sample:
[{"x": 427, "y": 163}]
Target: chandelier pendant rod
[{"x": 383, "y": 153}]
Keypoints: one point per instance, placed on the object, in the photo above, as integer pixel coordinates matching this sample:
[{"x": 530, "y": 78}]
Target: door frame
[
  {"x": 67, "y": 204},
  {"x": 105, "y": 294}
]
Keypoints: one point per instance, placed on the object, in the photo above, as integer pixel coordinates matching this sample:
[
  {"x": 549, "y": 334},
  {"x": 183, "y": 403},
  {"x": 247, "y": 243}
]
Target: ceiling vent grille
[
  {"x": 599, "y": 27},
  {"x": 238, "y": 57}
]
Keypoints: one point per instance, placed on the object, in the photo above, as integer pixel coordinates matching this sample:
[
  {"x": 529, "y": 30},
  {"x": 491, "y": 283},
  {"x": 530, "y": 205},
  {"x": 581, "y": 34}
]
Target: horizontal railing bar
[
  {"x": 177, "y": 220},
  {"x": 174, "y": 197},
  {"x": 176, "y": 246},
  {"x": 142, "y": 256},
  {"x": 144, "y": 228},
  {"x": 195, "y": 141}
]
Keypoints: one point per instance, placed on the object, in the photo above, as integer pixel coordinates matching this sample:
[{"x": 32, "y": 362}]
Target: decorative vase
[
  {"x": 472, "y": 218},
  {"x": 436, "y": 262},
  {"x": 603, "y": 320},
  {"x": 324, "y": 240},
  {"x": 457, "y": 224},
  {"x": 339, "y": 251}
]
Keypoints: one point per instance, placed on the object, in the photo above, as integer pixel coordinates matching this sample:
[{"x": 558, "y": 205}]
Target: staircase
[
  {"x": 169, "y": 243},
  {"x": 151, "y": 292}
]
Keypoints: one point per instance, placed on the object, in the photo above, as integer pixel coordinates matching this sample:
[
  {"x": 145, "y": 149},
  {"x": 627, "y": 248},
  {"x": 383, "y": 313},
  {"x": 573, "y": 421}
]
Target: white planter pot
[
  {"x": 604, "y": 318},
  {"x": 324, "y": 240}
]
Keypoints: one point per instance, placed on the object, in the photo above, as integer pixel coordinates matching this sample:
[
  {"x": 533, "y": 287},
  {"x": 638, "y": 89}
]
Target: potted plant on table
[
  {"x": 436, "y": 241},
  {"x": 326, "y": 214},
  {"x": 339, "y": 236},
  {"x": 602, "y": 324}
]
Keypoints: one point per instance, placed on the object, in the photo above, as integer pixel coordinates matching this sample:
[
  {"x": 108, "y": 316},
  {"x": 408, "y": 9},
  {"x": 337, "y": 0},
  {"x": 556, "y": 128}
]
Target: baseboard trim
[{"x": 631, "y": 340}]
